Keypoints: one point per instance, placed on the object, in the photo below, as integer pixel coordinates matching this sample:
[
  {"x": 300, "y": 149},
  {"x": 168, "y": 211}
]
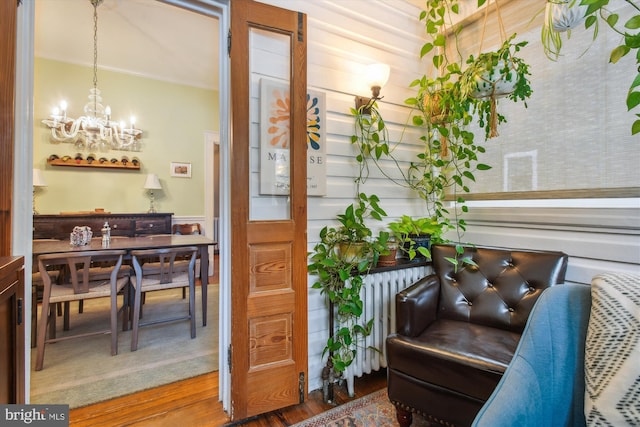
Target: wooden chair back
[
  {"x": 79, "y": 265},
  {"x": 164, "y": 261},
  {"x": 186, "y": 229}
]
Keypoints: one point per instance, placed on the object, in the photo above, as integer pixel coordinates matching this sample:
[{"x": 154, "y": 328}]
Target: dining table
[{"x": 157, "y": 241}]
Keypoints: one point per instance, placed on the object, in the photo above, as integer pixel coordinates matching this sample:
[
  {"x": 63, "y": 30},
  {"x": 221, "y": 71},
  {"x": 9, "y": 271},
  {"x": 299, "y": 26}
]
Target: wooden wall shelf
[{"x": 94, "y": 164}]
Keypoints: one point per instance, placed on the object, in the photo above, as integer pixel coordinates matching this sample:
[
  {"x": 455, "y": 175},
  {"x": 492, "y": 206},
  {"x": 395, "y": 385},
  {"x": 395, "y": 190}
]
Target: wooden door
[
  {"x": 12, "y": 361},
  {"x": 268, "y": 205}
]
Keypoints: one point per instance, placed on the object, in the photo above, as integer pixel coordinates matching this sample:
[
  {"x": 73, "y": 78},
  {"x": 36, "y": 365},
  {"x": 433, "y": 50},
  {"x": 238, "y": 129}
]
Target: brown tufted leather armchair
[{"x": 457, "y": 330}]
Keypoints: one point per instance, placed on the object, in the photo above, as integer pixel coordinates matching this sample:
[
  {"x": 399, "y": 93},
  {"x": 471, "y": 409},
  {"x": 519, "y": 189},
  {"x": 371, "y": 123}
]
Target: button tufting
[
  {"x": 532, "y": 289},
  {"x": 511, "y": 310},
  {"x": 469, "y": 302},
  {"x": 489, "y": 285}
]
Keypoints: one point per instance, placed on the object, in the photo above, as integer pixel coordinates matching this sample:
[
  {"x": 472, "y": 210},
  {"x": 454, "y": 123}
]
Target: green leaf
[
  {"x": 633, "y": 99},
  {"x": 636, "y": 127},
  {"x": 439, "y": 40},
  {"x": 636, "y": 82},
  {"x": 590, "y": 21},
  {"x": 633, "y": 23},
  {"x": 428, "y": 47},
  {"x": 612, "y": 19},
  {"x": 618, "y": 53},
  {"x": 483, "y": 167}
]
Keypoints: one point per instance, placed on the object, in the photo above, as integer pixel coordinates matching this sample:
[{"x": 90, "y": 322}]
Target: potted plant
[
  {"x": 339, "y": 276},
  {"x": 388, "y": 256},
  {"x": 493, "y": 75},
  {"x": 415, "y": 235}
]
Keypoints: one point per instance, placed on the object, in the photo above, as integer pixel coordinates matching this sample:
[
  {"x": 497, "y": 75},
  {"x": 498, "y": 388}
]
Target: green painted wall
[{"x": 173, "y": 117}]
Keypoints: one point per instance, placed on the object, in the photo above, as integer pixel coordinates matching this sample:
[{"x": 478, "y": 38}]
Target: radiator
[{"x": 378, "y": 295}]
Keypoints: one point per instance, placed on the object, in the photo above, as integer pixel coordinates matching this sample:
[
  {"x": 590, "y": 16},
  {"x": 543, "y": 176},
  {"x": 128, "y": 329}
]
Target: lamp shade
[
  {"x": 38, "y": 178},
  {"x": 377, "y": 75},
  {"x": 152, "y": 182}
]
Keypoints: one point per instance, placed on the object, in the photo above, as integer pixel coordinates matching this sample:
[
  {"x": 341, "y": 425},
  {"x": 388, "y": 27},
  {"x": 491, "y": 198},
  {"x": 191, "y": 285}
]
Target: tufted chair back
[
  {"x": 457, "y": 329},
  {"x": 500, "y": 289}
]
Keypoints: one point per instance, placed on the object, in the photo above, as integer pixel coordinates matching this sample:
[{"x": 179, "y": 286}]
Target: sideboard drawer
[
  {"x": 119, "y": 227},
  {"x": 152, "y": 226}
]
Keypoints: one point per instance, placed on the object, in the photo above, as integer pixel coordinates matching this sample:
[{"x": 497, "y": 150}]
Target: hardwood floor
[{"x": 194, "y": 402}]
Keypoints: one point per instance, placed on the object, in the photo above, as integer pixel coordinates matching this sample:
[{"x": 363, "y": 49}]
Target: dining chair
[
  {"x": 79, "y": 285},
  {"x": 37, "y": 288},
  {"x": 163, "y": 276},
  {"x": 181, "y": 263}
]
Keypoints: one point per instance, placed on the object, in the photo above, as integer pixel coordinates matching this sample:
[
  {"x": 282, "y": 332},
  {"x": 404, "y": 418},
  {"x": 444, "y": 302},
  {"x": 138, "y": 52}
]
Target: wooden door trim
[{"x": 8, "y": 23}]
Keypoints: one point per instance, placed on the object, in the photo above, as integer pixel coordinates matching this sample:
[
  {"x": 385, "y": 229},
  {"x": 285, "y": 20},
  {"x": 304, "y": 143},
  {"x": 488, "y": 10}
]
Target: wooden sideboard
[{"x": 130, "y": 225}]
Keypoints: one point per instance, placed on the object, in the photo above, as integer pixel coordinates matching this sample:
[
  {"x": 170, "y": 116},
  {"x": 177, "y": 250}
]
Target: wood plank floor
[{"x": 194, "y": 402}]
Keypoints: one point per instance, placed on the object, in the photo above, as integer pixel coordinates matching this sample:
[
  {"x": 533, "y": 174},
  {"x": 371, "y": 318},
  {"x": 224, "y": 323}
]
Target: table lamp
[
  {"x": 38, "y": 181},
  {"x": 152, "y": 183}
]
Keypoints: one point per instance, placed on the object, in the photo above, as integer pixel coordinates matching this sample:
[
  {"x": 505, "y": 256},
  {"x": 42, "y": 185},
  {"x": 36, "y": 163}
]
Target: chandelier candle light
[{"x": 94, "y": 130}]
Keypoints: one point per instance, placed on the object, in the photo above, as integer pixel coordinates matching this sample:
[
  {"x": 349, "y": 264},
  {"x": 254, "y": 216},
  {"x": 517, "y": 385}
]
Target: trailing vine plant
[
  {"x": 340, "y": 276},
  {"x": 443, "y": 109}
]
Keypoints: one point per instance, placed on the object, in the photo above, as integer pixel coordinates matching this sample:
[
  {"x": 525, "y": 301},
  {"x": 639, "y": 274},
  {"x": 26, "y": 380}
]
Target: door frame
[{"x": 22, "y": 225}]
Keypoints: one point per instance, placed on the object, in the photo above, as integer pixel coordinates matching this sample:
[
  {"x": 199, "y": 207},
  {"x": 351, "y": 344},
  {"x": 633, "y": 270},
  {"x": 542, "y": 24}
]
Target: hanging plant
[
  {"x": 596, "y": 11},
  {"x": 564, "y": 15},
  {"x": 560, "y": 16},
  {"x": 494, "y": 75}
]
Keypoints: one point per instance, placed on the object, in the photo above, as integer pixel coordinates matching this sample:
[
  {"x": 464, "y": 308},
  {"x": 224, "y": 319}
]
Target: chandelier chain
[{"x": 95, "y": 47}]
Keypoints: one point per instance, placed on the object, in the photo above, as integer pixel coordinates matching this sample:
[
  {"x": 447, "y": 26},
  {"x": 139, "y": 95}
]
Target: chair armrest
[
  {"x": 544, "y": 383},
  {"x": 417, "y": 306}
]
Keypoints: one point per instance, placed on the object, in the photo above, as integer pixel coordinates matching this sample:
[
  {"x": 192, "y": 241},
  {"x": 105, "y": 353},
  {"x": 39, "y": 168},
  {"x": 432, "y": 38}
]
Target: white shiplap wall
[
  {"x": 597, "y": 240},
  {"x": 343, "y": 36}
]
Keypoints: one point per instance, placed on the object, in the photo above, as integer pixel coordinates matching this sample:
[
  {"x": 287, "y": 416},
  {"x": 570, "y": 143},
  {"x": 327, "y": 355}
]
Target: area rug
[
  {"x": 80, "y": 372},
  {"x": 374, "y": 409}
]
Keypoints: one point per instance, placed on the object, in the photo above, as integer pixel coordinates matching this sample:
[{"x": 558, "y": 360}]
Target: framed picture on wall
[
  {"x": 274, "y": 140},
  {"x": 181, "y": 170}
]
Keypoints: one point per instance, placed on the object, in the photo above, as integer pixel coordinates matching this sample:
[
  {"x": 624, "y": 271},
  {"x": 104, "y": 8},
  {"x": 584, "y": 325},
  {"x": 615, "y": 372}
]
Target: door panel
[{"x": 268, "y": 173}]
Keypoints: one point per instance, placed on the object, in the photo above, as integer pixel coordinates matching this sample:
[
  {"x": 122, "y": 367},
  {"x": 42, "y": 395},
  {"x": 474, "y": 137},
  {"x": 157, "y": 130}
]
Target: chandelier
[{"x": 95, "y": 129}]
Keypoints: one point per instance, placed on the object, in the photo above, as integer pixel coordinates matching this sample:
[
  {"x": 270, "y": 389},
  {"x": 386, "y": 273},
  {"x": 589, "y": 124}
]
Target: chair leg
[
  {"x": 135, "y": 319},
  {"x": 192, "y": 309},
  {"x": 204, "y": 293},
  {"x": 404, "y": 417},
  {"x": 114, "y": 323},
  {"x": 51, "y": 320},
  {"x": 34, "y": 317},
  {"x": 184, "y": 293},
  {"x": 46, "y": 314},
  {"x": 126, "y": 307},
  {"x": 66, "y": 316}
]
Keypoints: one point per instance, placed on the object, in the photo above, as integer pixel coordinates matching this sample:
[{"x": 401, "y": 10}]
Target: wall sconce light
[
  {"x": 38, "y": 181},
  {"x": 152, "y": 183},
  {"x": 376, "y": 76}
]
